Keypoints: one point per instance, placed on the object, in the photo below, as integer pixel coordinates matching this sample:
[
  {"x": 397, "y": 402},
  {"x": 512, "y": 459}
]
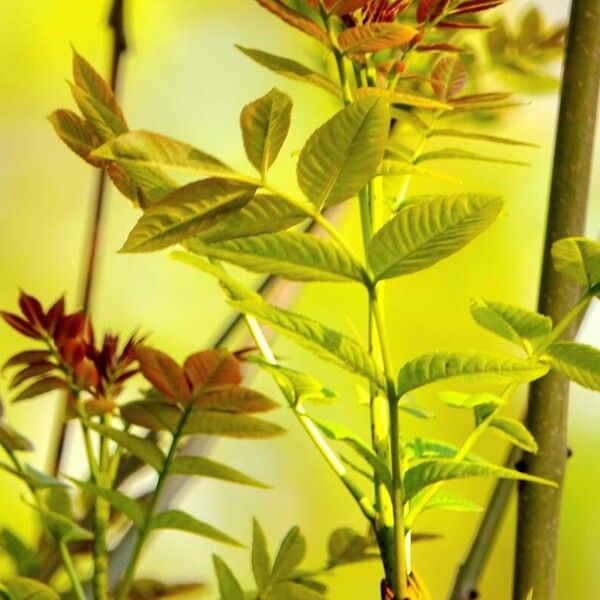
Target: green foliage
[
  {"x": 516, "y": 432},
  {"x": 579, "y": 259},
  {"x": 21, "y": 588},
  {"x": 578, "y": 362},
  {"x": 205, "y": 467}
]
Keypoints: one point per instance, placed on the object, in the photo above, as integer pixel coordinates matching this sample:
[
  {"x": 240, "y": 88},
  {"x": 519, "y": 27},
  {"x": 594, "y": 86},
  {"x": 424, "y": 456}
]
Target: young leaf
[
  {"x": 182, "y": 521},
  {"x": 460, "y": 154},
  {"x": 144, "y": 449},
  {"x": 264, "y": 213},
  {"x": 30, "y": 372},
  {"x": 236, "y": 400},
  {"x": 578, "y": 362},
  {"x": 212, "y": 368},
  {"x": 21, "y": 588},
  {"x": 398, "y": 99},
  {"x": 265, "y": 124},
  {"x": 229, "y": 586},
  {"x": 289, "y": 556},
  {"x": 374, "y": 37},
  {"x": 335, "y": 431},
  {"x": 25, "y": 358},
  {"x": 290, "y": 254},
  {"x": 186, "y": 212},
  {"x": 343, "y": 154},
  {"x": 516, "y": 324},
  {"x": 423, "y": 233},
  {"x": 444, "y": 501},
  {"x": 471, "y": 135},
  {"x": 261, "y": 561},
  {"x": 438, "y": 366},
  {"x": 470, "y": 401},
  {"x": 163, "y": 373},
  {"x": 118, "y": 500},
  {"x": 75, "y": 133},
  {"x": 448, "y": 77},
  {"x": 421, "y": 448},
  {"x": 205, "y": 467},
  {"x": 155, "y": 416},
  {"x": 137, "y": 149},
  {"x": 579, "y": 259},
  {"x": 321, "y": 340},
  {"x": 291, "y": 69},
  {"x": 40, "y": 387},
  {"x": 516, "y": 432},
  {"x": 12, "y": 440},
  {"x": 295, "y": 19},
  {"x": 347, "y": 546},
  {"x": 429, "y": 472},
  {"x": 393, "y": 168},
  {"x": 428, "y": 10}
]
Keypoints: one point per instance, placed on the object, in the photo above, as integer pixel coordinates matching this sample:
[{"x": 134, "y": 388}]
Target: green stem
[
  {"x": 71, "y": 572},
  {"x": 131, "y": 568},
  {"x": 547, "y": 417}
]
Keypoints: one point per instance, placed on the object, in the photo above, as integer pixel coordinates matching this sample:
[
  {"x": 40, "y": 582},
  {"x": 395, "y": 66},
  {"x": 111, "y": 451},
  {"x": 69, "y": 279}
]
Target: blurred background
[{"x": 183, "y": 77}]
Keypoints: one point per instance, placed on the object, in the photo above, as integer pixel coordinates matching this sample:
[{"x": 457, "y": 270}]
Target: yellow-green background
[{"x": 183, "y": 77}]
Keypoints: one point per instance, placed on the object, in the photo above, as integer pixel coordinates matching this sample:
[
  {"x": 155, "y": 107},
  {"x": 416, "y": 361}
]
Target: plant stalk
[{"x": 539, "y": 507}]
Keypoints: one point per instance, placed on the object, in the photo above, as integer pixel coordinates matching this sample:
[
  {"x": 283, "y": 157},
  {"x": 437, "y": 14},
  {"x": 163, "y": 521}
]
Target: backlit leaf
[
  {"x": 578, "y": 362},
  {"x": 209, "y": 368},
  {"x": 163, "y": 373},
  {"x": 445, "y": 501},
  {"x": 448, "y": 77},
  {"x": 186, "y": 212},
  {"x": 261, "y": 561},
  {"x": 402, "y": 98},
  {"x": 265, "y": 124},
  {"x": 438, "y": 366},
  {"x": 429, "y": 472},
  {"x": 236, "y": 400},
  {"x": 182, "y": 521},
  {"x": 423, "y": 233},
  {"x": 289, "y": 556},
  {"x": 290, "y": 254},
  {"x": 460, "y": 154},
  {"x": 470, "y": 401},
  {"x": 516, "y": 432},
  {"x": 579, "y": 259},
  {"x": 327, "y": 343},
  {"x": 205, "y": 467},
  {"x": 75, "y": 133},
  {"x": 516, "y": 324},
  {"x": 342, "y": 155},
  {"x": 291, "y": 69},
  {"x": 472, "y": 135},
  {"x": 229, "y": 586},
  {"x": 373, "y": 37}
]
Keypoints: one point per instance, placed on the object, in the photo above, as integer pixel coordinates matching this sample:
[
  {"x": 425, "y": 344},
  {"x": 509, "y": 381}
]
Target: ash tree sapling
[{"x": 404, "y": 76}]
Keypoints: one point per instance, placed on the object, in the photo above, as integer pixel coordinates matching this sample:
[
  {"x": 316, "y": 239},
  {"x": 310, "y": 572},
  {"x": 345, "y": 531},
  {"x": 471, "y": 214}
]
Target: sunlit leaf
[
  {"x": 205, "y": 467},
  {"x": 186, "y": 212},
  {"x": 182, "y": 521},
  {"x": 445, "y": 501},
  {"x": 290, "y": 254},
  {"x": 265, "y": 124},
  {"x": 460, "y": 154},
  {"x": 423, "y": 233},
  {"x": 470, "y": 401},
  {"x": 343, "y": 154},
  {"x": 448, "y": 77},
  {"x": 236, "y": 400},
  {"x": 210, "y": 368},
  {"x": 163, "y": 373},
  {"x": 472, "y": 135},
  {"x": 75, "y": 133},
  {"x": 373, "y": 37},
  {"x": 402, "y": 98},
  {"x": 516, "y": 432},
  {"x": 291, "y": 69},
  {"x": 420, "y": 448},
  {"x": 429, "y": 472},
  {"x": 438, "y": 366},
  {"x": 577, "y": 362},
  {"x": 579, "y": 259}
]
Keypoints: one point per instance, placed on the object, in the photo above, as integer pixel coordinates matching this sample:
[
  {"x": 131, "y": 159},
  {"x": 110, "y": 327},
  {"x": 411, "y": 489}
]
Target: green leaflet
[
  {"x": 146, "y": 450},
  {"x": 342, "y": 155},
  {"x": 235, "y": 399},
  {"x": 264, "y": 213},
  {"x": 21, "y": 588},
  {"x": 402, "y": 98},
  {"x": 36, "y": 479},
  {"x": 62, "y": 529},
  {"x": 289, "y": 556},
  {"x": 394, "y": 168},
  {"x": 460, "y": 154},
  {"x": 265, "y": 124},
  {"x": 229, "y": 586},
  {"x": 429, "y": 472},
  {"x": 470, "y": 401},
  {"x": 445, "y": 501},
  {"x": 75, "y": 133},
  {"x": 423, "y": 233},
  {"x": 348, "y": 546},
  {"x": 373, "y": 37},
  {"x": 578, "y": 362},
  {"x": 326, "y": 343},
  {"x": 420, "y": 448},
  {"x": 516, "y": 432},
  {"x": 118, "y": 500},
  {"x": 291, "y": 69},
  {"x": 147, "y": 149},
  {"x": 186, "y": 212},
  {"x": 291, "y": 590},
  {"x": 290, "y": 254},
  {"x": 261, "y": 561},
  {"x": 579, "y": 259},
  {"x": 205, "y": 467},
  {"x": 340, "y": 433},
  {"x": 158, "y": 416},
  {"x": 182, "y": 521},
  {"x": 438, "y": 366},
  {"x": 516, "y": 324},
  {"x": 472, "y": 135}
]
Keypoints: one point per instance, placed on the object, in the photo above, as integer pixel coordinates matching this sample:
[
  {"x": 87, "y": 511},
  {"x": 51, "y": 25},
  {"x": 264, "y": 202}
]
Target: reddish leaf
[
  {"x": 439, "y": 48},
  {"x": 235, "y": 399},
  {"x": 448, "y": 77},
  {"x": 211, "y": 368},
  {"x": 86, "y": 374},
  {"x": 473, "y": 6},
  {"x": 462, "y": 25},
  {"x": 69, "y": 327},
  {"x": 27, "y": 357},
  {"x": 20, "y": 324},
  {"x": 295, "y": 19},
  {"x": 99, "y": 406},
  {"x": 343, "y": 7},
  {"x": 54, "y": 314},
  {"x": 73, "y": 351},
  {"x": 29, "y": 372},
  {"x": 32, "y": 310},
  {"x": 163, "y": 373},
  {"x": 375, "y": 36},
  {"x": 41, "y": 386},
  {"x": 428, "y": 10}
]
